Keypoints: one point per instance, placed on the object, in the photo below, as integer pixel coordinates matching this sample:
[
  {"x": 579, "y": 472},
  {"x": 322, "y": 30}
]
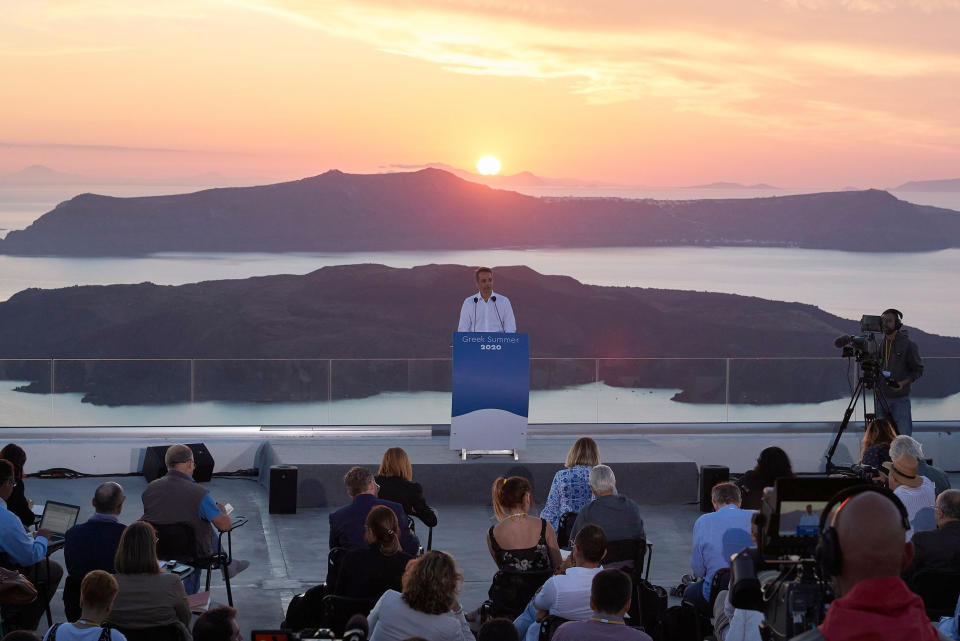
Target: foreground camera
[{"x": 781, "y": 577}]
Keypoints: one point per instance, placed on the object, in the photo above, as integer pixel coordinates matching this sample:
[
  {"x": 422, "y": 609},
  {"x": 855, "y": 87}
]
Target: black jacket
[
  {"x": 366, "y": 573},
  {"x": 17, "y": 503},
  {"x": 409, "y": 495},
  {"x": 936, "y": 550},
  {"x": 902, "y": 360}
]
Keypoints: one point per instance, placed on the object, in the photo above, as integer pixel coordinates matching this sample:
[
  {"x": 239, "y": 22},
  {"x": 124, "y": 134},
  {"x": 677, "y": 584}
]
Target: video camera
[
  {"x": 780, "y": 577},
  {"x": 863, "y": 346}
]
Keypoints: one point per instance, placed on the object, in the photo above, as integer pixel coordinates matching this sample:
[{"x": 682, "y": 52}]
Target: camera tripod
[{"x": 865, "y": 379}]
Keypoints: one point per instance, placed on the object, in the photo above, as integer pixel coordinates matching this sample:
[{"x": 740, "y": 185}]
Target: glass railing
[{"x": 319, "y": 392}]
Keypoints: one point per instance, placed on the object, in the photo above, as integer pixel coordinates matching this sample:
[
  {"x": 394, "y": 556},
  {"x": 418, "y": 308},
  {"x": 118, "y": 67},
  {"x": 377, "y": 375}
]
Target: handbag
[{"x": 15, "y": 589}]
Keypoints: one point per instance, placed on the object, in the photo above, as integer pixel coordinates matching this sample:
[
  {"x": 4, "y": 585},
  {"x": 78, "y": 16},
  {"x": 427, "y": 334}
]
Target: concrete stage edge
[{"x": 654, "y": 463}]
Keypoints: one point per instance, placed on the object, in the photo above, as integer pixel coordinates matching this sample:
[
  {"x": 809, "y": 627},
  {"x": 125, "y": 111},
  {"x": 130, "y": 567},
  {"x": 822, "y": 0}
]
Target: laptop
[{"x": 58, "y": 518}]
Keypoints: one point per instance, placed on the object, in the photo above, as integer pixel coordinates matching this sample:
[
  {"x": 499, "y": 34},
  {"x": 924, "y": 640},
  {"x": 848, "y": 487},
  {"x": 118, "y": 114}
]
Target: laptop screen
[{"x": 59, "y": 517}]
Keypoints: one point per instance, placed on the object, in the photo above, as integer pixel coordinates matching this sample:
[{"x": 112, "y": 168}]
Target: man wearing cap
[
  {"x": 901, "y": 359},
  {"x": 914, "y": 491}
]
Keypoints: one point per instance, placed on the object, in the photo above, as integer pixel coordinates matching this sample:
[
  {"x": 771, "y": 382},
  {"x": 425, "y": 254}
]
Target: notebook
[{"x": 58, "y": 518}]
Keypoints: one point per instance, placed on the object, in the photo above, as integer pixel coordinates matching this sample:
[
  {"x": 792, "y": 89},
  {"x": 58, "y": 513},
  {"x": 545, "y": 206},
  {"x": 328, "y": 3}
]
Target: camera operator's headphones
[
  {"x": 896, "y": 312},
  {"x": 828, "y": 553}
]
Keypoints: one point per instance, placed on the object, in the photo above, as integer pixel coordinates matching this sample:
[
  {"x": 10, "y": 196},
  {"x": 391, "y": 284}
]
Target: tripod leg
[{"x": 830, "y": 467}]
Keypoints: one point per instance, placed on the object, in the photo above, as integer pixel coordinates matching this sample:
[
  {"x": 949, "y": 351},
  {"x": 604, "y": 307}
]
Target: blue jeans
[
  {"x": 191, "y": 584},
  {"x": 900, "y": 413},
  {"x": 526, "y": 620}
]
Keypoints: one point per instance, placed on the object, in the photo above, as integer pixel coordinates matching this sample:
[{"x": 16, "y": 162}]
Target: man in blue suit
[
  {"x": 92, "y": 545},
  {"x": 348, "y": 523}
]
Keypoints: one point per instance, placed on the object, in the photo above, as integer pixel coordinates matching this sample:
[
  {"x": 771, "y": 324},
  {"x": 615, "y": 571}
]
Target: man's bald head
[
  {"x": 108, "y": 498},
  {"x": 872, "y": 539}
]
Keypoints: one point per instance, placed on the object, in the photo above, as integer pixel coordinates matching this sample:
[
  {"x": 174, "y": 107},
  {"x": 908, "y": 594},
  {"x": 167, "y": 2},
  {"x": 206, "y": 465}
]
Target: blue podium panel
[{"x": 491, "y": 391}]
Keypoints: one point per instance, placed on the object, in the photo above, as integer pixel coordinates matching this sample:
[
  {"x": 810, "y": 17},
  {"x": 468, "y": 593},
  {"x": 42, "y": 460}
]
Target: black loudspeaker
[
  {"x": 283, "y": 489},
  {"x": 154, "y": 467},
  {"x": 710, "y": 475}
]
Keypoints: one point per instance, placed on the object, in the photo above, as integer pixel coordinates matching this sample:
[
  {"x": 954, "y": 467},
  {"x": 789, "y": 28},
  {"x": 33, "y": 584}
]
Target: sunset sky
[{"x": 795, "y": 93}]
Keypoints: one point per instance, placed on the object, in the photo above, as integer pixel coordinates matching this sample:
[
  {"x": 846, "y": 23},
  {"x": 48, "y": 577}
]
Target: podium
[{"x": 491, "y": 393}]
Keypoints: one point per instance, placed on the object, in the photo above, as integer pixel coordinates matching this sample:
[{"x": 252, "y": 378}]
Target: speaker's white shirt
[{"x": 478, "y": 315}]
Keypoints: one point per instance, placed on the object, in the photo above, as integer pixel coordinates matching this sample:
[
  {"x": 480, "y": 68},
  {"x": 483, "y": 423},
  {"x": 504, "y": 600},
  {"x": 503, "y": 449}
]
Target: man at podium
[{"x": 486, "y": 311}]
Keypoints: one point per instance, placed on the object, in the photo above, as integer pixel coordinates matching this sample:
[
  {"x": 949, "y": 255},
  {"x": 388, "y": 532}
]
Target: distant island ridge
[
  {"x": 357, "y": 312},
  {"x": 950, "y": 185},
  {"x": 432, "y": 209},
  {"x": 728, "y": 185}
]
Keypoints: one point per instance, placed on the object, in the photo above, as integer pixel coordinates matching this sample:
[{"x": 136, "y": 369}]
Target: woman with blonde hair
[
  {"x": 147, "y": 597},
  {"x": 366, "y": 573},
  {"x": 427, "y": 607},
  {"x": 570, "y": 489},
  {"x": 395, "y": 478},
  {"x": 877, "y": 437}
]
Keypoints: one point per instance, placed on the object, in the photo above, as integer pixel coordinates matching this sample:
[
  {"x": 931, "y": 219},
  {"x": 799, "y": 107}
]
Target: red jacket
[{"x": 878, "y": 609}]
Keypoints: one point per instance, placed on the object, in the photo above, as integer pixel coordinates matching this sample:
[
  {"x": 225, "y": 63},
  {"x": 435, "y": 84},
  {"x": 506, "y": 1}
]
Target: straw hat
[{"x": 904, "y": 468}]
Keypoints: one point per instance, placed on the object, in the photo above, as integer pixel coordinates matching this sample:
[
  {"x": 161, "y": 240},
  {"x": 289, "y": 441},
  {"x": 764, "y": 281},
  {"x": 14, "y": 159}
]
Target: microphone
[
  {"x": 494, "y": 299},
  {"x": 356, "y": 629},
  {"x": 841, "y": 341},
  {"x": 474, "y": 326}
]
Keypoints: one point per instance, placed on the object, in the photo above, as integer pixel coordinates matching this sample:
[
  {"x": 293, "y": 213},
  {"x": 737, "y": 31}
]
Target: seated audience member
[
  {"x": 498, "y": 629},
  {"x": 904, "y": 444},
  {"x": 92, "y": 545},
  {"x": 19, "y": 551},
  {"x": 520, "y": 541},
  {"x": 427, "y": 606},
  {"x": 370, "y": 571},
  {"x": 617, "y": 515},
  {"x": 609, "y": 599},
  {"x": 875, "y": 449},
  {"x": 716, "y": 536},
  {"x": 567, "y": 594},
  {"x": 177, "y": 498},
  {"x": 913, "y": 490},
  {"x": 735, "y": 624},
  {"x": 217, "y": 624},
  {"x": 939, "y": 550},
  {"x": 18, "y": 503},
  {"x": 97, "y": 592},
  {"x": 949, "y": 627},
  {"x": 395, "y": 478},
  {"x": 348, "y": 524},
  {"x": 570, "y": 489},
  {"x": 873, "y": 601},
  {"x": 772, "y": 464},
  {"x": 147, "y": 596}
]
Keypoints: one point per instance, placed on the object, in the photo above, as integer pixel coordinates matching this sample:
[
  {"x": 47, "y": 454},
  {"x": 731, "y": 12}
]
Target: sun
[{"x": 488, "y": 166}]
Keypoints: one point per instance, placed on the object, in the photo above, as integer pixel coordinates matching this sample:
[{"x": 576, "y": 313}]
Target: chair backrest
[
  {"x": 337, "y": 610},
  {"x": 719, "y": 583},
  {"x": 511, "y": 591},
  {"x": 549, "y": 625},
  {"x": 564, "y": 525},
  {"x": 176, "y": 541},
  {"x": 334, "y": 558},
  {"x": 169, "y": 632},
  {"x": 626, "y": 555},
  {"x": 939, "y": 590}
]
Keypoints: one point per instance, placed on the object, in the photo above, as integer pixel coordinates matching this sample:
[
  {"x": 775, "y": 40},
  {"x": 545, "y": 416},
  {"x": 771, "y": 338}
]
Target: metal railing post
[{"x": 726, "y": 402}]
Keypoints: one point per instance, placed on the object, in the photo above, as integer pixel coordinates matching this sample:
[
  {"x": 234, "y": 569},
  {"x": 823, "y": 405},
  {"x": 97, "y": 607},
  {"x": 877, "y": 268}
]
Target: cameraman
[
  {"x": 902, "y": 359},
  {"x": 873, "y": 601}
]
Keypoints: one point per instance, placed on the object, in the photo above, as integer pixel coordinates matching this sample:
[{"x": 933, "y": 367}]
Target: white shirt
[
  {"x": 916, "y": 498},
  {"x": 492, "y": 315},
  {"x": 568, "y": 595}
]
